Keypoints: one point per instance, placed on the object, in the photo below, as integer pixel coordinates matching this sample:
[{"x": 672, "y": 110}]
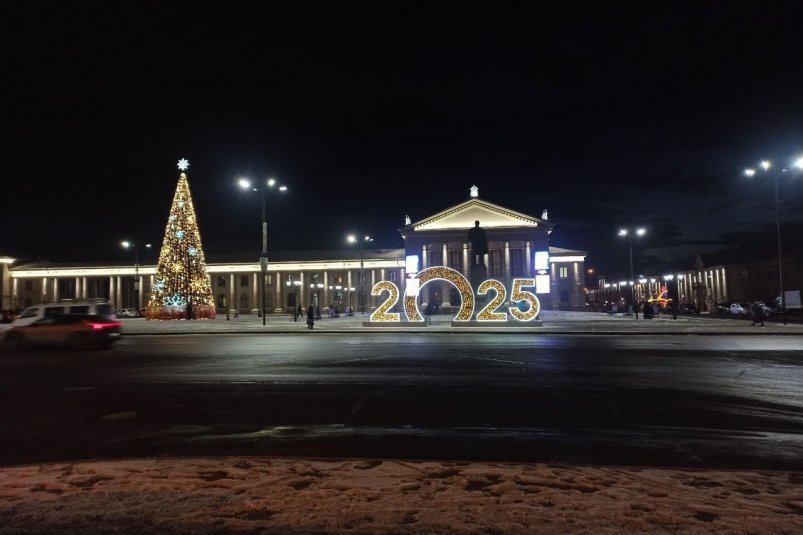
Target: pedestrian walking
[
  {"x": 758, "y": 313},
  {"x": 310, "y": 317},
  {"x": 636, "y": 308}
]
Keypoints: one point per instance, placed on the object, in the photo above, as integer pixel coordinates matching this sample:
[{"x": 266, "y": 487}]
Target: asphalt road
[{"x": 692, "y": 401}]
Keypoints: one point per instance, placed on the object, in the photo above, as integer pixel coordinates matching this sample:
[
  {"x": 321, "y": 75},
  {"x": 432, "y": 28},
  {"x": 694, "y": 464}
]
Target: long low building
[{"x": 518, "y": 247}]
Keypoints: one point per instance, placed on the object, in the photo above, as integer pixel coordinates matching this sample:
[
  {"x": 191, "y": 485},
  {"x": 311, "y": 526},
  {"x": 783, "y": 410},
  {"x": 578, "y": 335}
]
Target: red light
[{"x": 100, "y": 326}]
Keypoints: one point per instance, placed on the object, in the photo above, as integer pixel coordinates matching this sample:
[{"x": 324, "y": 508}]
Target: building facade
[{"x": 337, "y": 278}]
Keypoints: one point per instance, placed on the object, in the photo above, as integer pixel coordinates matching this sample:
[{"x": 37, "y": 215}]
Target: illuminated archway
[{"x": 445, "y": 274}]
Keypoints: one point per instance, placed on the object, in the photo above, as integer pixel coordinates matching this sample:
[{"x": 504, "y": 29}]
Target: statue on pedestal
[{"x": 479, "y": 244}]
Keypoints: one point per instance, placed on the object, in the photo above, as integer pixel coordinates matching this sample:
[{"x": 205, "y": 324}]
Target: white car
[
  {"x": 738, "y": 310},
  {"x": 126, "y": 313}
]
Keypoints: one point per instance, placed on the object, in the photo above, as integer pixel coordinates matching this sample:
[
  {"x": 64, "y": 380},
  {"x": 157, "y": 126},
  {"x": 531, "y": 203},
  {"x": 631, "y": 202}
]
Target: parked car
[
  {"x": 722, "y": 309},
  {"x": 688, "y": 308},
  {"x": 65, "y": 330},
  {"x": 736, "y": 309},
  {"x": 126, "y": 313}
]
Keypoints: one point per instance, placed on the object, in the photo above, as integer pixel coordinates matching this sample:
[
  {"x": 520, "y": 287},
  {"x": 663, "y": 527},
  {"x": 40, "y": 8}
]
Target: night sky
[{"x": 626, "y": 114}]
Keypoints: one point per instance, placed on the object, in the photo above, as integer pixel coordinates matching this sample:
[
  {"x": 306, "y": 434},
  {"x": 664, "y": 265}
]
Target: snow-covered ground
[{"x": 294, "y": 496}]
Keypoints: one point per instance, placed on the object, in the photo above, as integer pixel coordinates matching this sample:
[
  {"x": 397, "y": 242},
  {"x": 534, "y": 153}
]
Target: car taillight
[{"x": 100, "y": 326}]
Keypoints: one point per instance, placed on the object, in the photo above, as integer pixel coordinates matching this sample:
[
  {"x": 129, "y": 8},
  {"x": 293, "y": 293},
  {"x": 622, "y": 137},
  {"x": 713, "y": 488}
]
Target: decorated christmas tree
[{"x": 181, "y": 287}]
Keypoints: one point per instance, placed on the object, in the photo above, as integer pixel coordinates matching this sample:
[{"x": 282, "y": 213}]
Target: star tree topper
[{"x": 183, "y": 164}]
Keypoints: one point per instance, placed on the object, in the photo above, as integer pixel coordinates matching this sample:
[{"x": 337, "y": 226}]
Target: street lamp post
[
  {"x": 263, "y": 259},
  {"x": 135, "y": 245},
  {"x": 765, "y": 164},
  {"x": 353, "y": 239},
  {"x": 295, "y": 284},
  {"x": 315, "y": 290},
  {"x": 629, "y": 235}
]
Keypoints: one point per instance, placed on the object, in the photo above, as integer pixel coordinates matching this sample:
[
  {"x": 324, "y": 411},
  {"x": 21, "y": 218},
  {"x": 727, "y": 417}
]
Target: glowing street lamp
[
  {"x": 765, "y": 164},
  {"x": 295, "y": 284},
  {"x": 628, "y": 233},
  {"x": 126, "y": 244},
  {"x": 263, "y": 260},
  {"x": 354, "y": 239}
]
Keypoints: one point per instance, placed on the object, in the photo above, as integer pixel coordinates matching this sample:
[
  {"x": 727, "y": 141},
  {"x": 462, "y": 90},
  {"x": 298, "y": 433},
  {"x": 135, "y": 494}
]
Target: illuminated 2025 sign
[{"x": 488, "y": 313}]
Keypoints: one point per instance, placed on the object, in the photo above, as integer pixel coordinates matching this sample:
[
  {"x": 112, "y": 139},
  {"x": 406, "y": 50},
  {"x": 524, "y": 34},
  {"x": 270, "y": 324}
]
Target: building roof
[
  {"x": 240, "y": 257},
  {"x": 463, "y": 216}
]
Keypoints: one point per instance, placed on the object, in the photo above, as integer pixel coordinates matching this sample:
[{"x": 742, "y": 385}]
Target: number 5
[{"x": 522, "y": 295}]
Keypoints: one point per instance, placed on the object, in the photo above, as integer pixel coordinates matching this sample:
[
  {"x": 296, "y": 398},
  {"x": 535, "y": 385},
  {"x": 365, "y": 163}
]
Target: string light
[
  {"x": 445, "y": 274},
  {"x": 487, "y": 313},
  {"x": 181, "y": 275},
  {"x": 381, "y": 314}
]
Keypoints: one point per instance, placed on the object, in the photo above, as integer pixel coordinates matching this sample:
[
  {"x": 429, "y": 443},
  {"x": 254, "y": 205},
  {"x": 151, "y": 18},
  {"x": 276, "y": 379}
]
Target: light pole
[
  {"x": 628, "y": 233},
  {"x": 263, "y": 259},
  {"x": 765, "y": 164},
  {"x": 135, "y": 245},
  {"x": 315, "y": 290},
  {"x": 295, "y": 284},
  {"x": 353, "y": 239}
]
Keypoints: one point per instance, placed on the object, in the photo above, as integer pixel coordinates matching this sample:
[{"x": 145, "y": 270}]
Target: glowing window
[{"x": 541, "y": 260}]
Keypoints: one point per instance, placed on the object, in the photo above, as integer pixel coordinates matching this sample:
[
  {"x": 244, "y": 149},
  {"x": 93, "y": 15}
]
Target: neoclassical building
[{"x": 518, "y": 247}]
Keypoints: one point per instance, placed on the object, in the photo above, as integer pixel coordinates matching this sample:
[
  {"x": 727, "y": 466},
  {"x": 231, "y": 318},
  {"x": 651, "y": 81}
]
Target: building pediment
[{"x": 463, "y": 216}]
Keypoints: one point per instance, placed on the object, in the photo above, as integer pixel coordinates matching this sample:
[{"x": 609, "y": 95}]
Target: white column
[
  {"x": 371, "y": 298},
  {"x": 423, "y": 257},
  {"x": 445, "y": 258},
  {"x": 507, "y": 262},
  {"x": 278, "y": 304},
  {"x": 111, "y": 292},
  {"x": 233, "y": 301},
  {"x": 83, "y": 288},
  {"x": 14, "y": 288},
  {"x": 325, "y": 298},
  {"x": 55, "y": 289},
  {"x": 724, "y": 284},
  {"x": 302, "y": 292},
  {"x": 119, "y": 293},
  {"x": 529, "y": 261},
  {"x": 466, "y": 265},
  {"x": 256, "y": 292},
  {"x": 77, "y": 288},
  {"x": 140, "y": 292}
]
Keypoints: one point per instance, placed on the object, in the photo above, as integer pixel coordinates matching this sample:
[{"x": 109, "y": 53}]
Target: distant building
[
  {"x": 333, "y": 277},
  {"x": 720, "y": 278}
]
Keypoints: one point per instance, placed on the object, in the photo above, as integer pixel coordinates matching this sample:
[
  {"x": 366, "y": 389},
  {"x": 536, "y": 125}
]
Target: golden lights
[
  {"x": 381, "y": 313},
  {"x": 181, "y": 274},
  {"x": 445, "y": 274},
  {"x": 488, "y": 312}
]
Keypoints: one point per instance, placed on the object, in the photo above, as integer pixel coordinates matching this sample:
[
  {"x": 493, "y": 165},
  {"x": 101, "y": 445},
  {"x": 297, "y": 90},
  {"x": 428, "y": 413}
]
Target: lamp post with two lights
[
  {"x": 766, "y": 165},
  {"x": 263, "y": 259},
  {"x": 355, "y": 239},
  {"x": 628, "y": 233},
  {"x": 126, "y": 244}
]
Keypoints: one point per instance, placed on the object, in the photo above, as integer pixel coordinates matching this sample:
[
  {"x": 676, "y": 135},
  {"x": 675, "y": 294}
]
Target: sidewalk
[{"x": 553, "y": 322}]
